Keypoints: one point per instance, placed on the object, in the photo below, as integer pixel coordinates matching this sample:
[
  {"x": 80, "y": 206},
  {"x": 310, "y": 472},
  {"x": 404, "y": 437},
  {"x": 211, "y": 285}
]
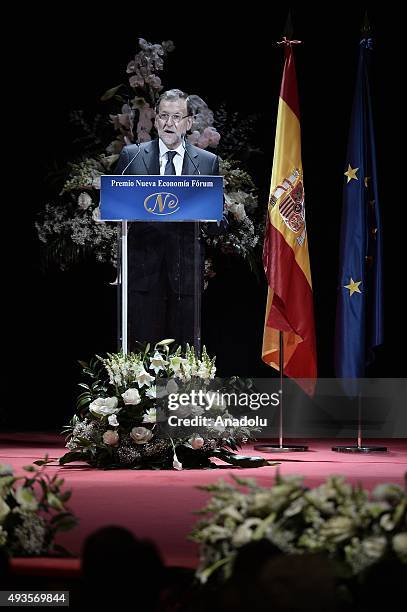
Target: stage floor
[{"x": 159, "y": 505}]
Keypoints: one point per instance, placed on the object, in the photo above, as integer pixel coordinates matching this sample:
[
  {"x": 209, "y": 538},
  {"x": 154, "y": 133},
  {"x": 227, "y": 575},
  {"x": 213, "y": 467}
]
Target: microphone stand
[
  {"x": 123, "y": 273},
  {"x": 124, "y": 286},
  {"x": 197, "y": 269},
  {"x": 197, "y": 289}
]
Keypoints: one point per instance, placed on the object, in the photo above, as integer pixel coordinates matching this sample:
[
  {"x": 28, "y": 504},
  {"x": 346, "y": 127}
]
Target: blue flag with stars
[{"x": 359, "y": 314}]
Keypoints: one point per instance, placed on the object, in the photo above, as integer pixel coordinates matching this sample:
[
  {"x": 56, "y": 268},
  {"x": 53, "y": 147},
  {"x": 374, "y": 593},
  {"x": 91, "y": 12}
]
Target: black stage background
[{"x": 65, "y": 316}]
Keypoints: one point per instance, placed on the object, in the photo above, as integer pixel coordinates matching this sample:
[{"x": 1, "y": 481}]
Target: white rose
[
  {"x": 103, "y": 406},
  {"x": 131, "y": 397},
  {"x": 84, "y": 201},
  {"x": 111, "y": 438},
  {"x": 141, "y": 435},
  {"x": 197, "y": 442},
  {"x": 113, "y": 422}
]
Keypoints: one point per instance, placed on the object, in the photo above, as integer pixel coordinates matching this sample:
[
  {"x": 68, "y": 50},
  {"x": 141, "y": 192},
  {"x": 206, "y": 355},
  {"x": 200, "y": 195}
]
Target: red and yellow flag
[{"x": 285, "y": 253}]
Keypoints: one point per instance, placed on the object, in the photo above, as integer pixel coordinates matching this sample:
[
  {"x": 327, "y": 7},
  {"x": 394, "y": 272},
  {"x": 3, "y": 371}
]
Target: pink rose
[
  {"x": 197, "y": 442},
  {"x": 111, "y": 438},
  {"x": 141, "y": 435}
]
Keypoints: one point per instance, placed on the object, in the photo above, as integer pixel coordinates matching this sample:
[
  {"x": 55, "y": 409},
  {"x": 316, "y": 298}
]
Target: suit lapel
[
  {"x": 151, "y": 154},
  {"x": 151, "y": 157},
  {"x": 188, "y": 167}
]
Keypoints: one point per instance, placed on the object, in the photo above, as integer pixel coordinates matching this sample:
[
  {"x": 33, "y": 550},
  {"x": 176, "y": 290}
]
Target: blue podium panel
[{"x": 161, "y": 198}]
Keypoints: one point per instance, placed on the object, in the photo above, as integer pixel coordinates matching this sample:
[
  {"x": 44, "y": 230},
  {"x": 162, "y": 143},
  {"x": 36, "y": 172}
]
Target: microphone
[
  {"x": 183, "y": 140},
  {"x": 132, "y": 159}
]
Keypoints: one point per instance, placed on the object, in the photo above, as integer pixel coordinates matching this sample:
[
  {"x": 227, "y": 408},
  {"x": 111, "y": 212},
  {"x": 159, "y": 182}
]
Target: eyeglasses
[{"x": 165, "y": 117}]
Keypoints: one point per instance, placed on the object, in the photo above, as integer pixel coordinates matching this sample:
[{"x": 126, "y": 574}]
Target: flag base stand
[
  {"x": 360, "y": 449},
  {"x": 281, "y": 448},
  {"x": 277, "y": 448}
]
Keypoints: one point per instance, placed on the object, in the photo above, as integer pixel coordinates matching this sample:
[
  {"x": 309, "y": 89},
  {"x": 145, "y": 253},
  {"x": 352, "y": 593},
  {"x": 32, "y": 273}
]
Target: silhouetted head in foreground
[{"x": 118, "y": 568}]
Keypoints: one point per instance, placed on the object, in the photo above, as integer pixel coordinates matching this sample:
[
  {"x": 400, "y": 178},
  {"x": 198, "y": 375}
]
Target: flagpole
[
  {"x": 359, "y": 447},
  {"x": 359, "y": 420},
  {"x": 280, "y": 427},
  {"x": 349, "y": 366},
  {"x": 291, "y": 140},
  {"x": 281, "y": 447}
]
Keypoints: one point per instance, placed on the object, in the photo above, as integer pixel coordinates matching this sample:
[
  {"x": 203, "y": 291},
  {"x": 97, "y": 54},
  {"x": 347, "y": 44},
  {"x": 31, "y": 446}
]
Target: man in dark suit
[{"x": 162, "y": 256}]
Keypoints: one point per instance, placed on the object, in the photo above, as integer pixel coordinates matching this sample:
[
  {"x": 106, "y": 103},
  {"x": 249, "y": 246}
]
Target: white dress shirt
[{"x": 178, "y": 159}]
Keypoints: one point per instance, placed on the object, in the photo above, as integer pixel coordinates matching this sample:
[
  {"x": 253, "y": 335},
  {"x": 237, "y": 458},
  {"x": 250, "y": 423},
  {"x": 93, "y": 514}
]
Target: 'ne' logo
[{"x": 161, "y": 203}]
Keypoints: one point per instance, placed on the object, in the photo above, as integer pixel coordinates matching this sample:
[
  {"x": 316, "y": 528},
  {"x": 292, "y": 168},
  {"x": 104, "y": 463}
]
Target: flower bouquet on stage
[{"x": 125, "y": 418}]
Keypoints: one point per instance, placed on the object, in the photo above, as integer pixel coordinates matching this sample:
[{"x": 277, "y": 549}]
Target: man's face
[{"x": 175, "y": 123}]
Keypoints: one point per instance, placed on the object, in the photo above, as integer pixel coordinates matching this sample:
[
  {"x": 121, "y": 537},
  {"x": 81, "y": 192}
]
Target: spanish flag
[{"x": 290, "y": 307}]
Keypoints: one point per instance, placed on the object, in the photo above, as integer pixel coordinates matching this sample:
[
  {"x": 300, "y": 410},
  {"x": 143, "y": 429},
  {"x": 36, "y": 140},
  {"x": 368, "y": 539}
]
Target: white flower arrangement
[
  {"x": 122, "y": 414},
  {"x": 32, "y": 511},
  {"x": 352, "y": 526}
]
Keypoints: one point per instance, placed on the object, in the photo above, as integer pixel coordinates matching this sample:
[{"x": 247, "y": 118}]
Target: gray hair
[{"x": 175, "y": 94}]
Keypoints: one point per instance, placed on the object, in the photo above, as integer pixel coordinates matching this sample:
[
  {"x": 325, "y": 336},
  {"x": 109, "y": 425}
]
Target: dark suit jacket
[
  {"x": 172, "y": 245},
  {"x": 147, "y": 161}
]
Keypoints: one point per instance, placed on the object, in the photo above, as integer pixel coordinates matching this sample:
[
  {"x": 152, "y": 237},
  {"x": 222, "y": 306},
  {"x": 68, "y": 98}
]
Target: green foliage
[{"x": 33, "y": 510}]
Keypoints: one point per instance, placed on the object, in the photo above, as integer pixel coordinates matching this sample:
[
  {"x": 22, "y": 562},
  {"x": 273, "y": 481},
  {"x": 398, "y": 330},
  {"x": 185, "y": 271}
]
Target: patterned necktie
[{"x": 169, "y": 167}]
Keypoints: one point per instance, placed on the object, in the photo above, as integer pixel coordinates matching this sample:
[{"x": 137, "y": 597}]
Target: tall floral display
[{"x": 69, "y": 227}]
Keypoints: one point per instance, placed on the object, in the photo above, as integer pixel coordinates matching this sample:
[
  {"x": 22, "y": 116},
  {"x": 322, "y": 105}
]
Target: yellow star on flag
[
  {"x": 367, "y": 179},
  {"x": 353, "y": 287},
  {"x": 351, "y": 173}
]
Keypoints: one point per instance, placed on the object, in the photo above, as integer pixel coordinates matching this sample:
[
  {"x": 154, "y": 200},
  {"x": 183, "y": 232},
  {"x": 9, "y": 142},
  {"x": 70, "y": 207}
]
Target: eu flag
[{"x": 359, "y": 314}]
